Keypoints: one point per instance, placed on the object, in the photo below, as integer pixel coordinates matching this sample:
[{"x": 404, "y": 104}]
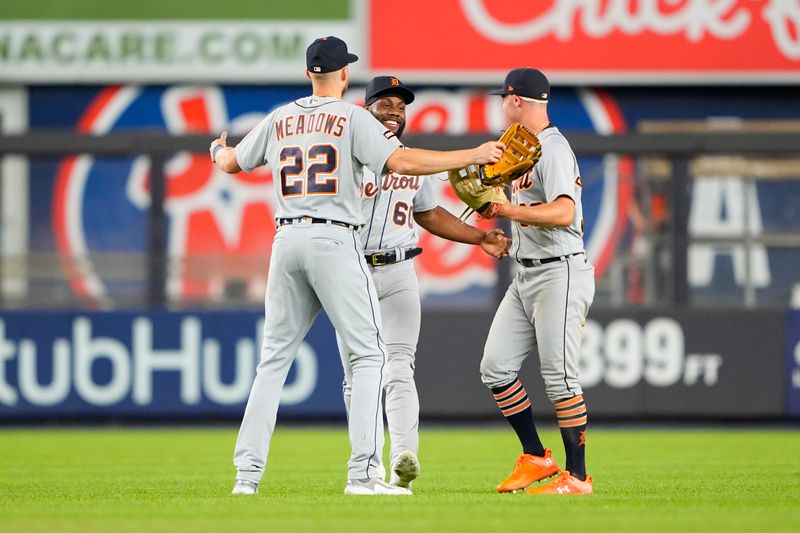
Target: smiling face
[{"x": 391, "y": 112}]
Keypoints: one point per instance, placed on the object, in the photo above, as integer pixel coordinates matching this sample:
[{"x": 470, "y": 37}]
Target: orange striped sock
[
  {"x": 571, "y": 412},
  {"x": 572, "y": 419},
  {"x": 513, "y": 401}
]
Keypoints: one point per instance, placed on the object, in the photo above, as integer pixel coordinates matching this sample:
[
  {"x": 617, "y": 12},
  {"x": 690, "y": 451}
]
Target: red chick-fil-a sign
[{"x": 593, "y": 41}]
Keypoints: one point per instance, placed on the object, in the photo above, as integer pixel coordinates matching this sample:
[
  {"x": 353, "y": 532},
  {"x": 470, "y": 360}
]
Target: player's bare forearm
[
  {"x": 443, "y": 224},
  {"x": 558, "y": 213},
  {"x": 416, "y": 161},
  {"x": 226, "y": 160},
  {"x": 224, "y": 156}
]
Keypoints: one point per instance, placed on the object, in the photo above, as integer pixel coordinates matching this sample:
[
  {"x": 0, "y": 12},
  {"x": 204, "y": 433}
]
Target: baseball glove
[
  {"x": 481, "y": 188},
  {"x": 471, "y": 189},
  {"x": 521, "y": 154}
]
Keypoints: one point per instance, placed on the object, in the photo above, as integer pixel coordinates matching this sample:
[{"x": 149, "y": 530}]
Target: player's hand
[
  {"x": 489, "y": 152},
  {"x": 495, "y": 243},
  {"x": 222, "y": 140}
]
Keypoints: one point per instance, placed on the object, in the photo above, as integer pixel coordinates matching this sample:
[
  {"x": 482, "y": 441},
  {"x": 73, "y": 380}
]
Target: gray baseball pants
[
  {"x": 543, "y": 312},
  {"x": 316, "y": 266},
  {"x": 398, "y": 293}
]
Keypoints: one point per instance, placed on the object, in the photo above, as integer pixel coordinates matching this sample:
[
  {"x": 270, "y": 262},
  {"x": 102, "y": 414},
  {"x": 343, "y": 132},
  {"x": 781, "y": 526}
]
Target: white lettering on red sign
[{"x": 695, "y": 20}]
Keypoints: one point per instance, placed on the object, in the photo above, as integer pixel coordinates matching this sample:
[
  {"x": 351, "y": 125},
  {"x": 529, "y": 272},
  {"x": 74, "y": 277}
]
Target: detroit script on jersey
[{"x": 389, "y": 210}]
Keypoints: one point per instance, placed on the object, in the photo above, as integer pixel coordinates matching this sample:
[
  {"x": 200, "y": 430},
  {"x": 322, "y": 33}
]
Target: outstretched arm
[
  {"x": 443, "y": 224},
  {"x": 418, "y": 162}
]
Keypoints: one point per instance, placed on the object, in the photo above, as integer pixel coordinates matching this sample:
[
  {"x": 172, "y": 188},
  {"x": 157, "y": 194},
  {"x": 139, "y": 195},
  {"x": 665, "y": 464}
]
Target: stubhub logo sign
[{"x": 153, "y": 364}]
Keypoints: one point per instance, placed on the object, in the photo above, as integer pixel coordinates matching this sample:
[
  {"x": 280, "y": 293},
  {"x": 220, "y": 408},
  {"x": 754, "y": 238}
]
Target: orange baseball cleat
[
  {"x": 565, "y": 483},
  {"x": 528, "y": 470}
]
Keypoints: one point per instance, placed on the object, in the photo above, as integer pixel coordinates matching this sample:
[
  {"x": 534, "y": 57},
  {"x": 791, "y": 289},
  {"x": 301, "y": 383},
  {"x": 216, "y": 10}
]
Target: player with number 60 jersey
[{"x": 391, "y": 207}]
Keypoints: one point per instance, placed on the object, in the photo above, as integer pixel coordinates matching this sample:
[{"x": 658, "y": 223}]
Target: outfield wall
[{"x": 101, "y": 365}]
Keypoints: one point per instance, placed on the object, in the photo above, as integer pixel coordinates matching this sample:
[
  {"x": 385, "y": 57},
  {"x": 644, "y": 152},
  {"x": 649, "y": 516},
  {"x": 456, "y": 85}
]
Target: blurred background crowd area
[{"x": 685, "y": 118}]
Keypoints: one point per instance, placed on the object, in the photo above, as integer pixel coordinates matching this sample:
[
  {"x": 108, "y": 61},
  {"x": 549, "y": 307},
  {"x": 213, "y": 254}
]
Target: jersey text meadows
[{"x": 326, "y": 123}]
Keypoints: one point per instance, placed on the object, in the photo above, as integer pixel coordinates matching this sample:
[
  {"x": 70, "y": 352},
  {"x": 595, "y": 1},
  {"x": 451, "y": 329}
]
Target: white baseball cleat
[
  {"x": 372, "y": 487},
  {"x": 245, "y": 487},
  {"x": 405, "y": 469}
]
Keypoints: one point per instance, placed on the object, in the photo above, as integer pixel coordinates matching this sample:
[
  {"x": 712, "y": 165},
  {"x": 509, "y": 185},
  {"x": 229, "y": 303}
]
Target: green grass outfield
[{"x": 165, "y": 480}]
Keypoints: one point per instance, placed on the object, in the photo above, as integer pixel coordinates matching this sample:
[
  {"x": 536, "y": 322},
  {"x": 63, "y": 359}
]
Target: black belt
[
  {"x": 537, "y": 262},
  {"x": 284, "y": 221},
  {"x": 395, "y": 256}
]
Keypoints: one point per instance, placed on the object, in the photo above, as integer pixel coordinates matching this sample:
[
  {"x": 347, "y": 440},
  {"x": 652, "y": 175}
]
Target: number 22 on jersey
[{"x": 310, "y": 172}]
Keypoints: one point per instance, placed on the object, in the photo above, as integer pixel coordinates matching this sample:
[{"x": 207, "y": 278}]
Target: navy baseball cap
[
  {"x": 527, "y": 82},
  {"x": 328, "y": 54},
  {"x": 383, "y": 85}
]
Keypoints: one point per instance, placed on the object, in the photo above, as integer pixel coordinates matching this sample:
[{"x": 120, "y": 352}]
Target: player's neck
[
  {"x": 535, "y": 119},
  {"x": 537, "y": 124},
  {"x": 544, "y": 125},
  {"x": 327, "y": 91}
]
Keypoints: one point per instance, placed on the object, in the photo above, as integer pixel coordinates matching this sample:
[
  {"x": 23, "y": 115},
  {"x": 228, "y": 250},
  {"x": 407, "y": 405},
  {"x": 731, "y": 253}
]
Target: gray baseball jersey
[
  {"x": 556, "y": 174},
  {"x": 388, "y": 210},
  {"x": 545, "y": 307},
  {"x": 317, "y": 148}
]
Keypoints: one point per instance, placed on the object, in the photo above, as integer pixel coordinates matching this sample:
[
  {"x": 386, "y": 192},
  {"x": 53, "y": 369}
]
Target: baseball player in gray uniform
[
  {"x": 390, "y": 242},
  {"x": 545, "y": 307},
  {"x": 318, "y": 147}
]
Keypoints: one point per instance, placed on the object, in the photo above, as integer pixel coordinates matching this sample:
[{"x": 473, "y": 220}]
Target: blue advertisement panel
[
  {"x": 793, "y": 363},
  {"x": 158, "y": 364},
  {"x": 201, "y": 365},
  {"x": 644, "y": 365}
]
